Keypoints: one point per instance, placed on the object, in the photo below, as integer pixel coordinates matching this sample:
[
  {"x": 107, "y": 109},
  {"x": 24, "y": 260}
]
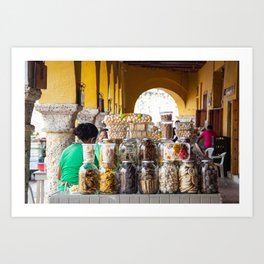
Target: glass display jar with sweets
[
  {"x": 148, "y": 178},
  {"x": 108, "y": 178},
  {"x": 161, "y": 146},
  {"x": 128, "y": 178},
  {"x": 166, "y": 128},
  {"x": 88, "y": 173},
  {"x": 209, "y": 176},
  {"x": 147, "y": 151},
  {"x": 188, "y": 177},
  {"x": 128, "y": 150},
  {"x": 166, "y": 116},
  {"x": 168, "y": 177}
]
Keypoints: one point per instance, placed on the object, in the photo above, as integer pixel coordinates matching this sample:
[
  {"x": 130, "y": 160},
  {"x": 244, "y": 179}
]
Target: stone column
[
  {"x": 87, "y": 115},
  {"x": 59, "y": 121},
  {"x": 31, "y": 95}
]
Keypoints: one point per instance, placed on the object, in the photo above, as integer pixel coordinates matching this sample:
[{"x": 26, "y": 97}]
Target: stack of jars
[
  {"x": 168, "y": 173},
  {"x": 166, "y": 125},
  {"x": 108, "y": 175},
  {"x": 128, "y": 173},
  {"x": 88, "y": 172},
  {"x": 148, "y": 172}
]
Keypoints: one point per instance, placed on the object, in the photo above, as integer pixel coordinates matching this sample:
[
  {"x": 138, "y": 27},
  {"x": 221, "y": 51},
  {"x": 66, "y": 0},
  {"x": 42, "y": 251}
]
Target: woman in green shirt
[{"x": 72, "y": 157}]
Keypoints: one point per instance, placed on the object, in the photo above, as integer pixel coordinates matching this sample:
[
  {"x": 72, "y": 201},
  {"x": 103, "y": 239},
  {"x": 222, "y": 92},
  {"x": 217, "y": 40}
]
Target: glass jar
[
  {"x": 168, "y": 177},
  {"x": 88, "y": 172},
  {"x": 128, "y": 150},
  {"x": 166, "y": 116},
  {"x": 148, "y": 178},
  {"x": 209, "y": 173},
  {"x": 147, "y": 150},
  {"x": 108, "y": 152},
  {"x": 108, "y": 179},
  {"x": 128, "y": 178},
  {"x": 166, "y": 129},
  {"x": 184, "y": 151},
  {"x": 161, "y": 145},
  {"x": 188, "y": 177}
]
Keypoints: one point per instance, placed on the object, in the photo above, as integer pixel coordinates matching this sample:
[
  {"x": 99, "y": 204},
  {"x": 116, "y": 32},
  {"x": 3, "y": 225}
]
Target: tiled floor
[{"x": 228, "y": 188}]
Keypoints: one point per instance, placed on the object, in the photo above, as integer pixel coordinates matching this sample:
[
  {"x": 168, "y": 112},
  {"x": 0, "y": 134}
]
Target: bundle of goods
[
  {"x": 184, "y": 129},
  {"x": 118, "y": 124},
  {"x": 138, "y": 130}
]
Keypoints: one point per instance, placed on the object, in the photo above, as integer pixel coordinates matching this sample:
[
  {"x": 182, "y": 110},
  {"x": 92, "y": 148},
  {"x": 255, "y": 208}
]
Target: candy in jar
[
  {"x": 128, "y": 150},
  {"x": 128, "y": 178},
  {"x": 88, "y": 172},
  {"x": 108, "y": 179},
  {"x": 147, "y": 150},
  {"x": 148, "y": 178},
  {"x": 188, "y": 177},
  {"x": 209, "y": 173},
  {"x": 168, "y": 177}
]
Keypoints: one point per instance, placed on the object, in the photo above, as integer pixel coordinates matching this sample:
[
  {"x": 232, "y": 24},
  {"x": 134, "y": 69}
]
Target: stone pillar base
[{"x": 59, "y": 121}]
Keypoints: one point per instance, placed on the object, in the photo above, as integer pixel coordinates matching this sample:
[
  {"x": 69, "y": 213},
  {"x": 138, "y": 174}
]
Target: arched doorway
[{"x": 154, "y": 101}]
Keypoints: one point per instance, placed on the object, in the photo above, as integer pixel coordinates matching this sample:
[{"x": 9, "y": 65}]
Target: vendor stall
[{"x": 137, "y": 166}]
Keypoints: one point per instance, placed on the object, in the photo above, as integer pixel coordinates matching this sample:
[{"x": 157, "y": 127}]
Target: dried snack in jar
[
  {"x": 128, "y": 150},
  {"x": 108, "y": 152},
  {"x": 184, "y": 152},
  {"x": 209, "y": 177},
  {"x": 128, "y": 178},
  {"x": 147, "y": 150},
  {"x": 166, "y": 116},
  {"x": 188, "y": 177},
  {"x": 169, "y": 152},
  {"x": 166, "y": 129},
  {"x": 88, "y": 180},
  {"x": 148, "y": 178},
  {"x": 168, "y": 178},
  {"x": 108, "y": 180}
]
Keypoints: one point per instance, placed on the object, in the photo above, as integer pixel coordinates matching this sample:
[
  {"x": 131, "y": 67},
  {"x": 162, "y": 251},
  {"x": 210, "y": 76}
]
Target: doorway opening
[{"x": 154, "y": 101}]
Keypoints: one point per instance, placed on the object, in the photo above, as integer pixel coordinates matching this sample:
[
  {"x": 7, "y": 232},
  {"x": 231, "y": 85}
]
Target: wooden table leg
[
  {"x": 42, "y": 191},
  {"x": 38, "y": 192}
]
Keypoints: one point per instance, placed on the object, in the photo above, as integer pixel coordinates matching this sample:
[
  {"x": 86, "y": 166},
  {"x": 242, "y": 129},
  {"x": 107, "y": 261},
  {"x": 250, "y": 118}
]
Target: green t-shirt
[{"x": 70, "y": 162}]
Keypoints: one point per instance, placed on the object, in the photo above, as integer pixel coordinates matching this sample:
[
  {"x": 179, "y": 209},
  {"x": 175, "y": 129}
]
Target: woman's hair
[{"x": 86, "y": 131}]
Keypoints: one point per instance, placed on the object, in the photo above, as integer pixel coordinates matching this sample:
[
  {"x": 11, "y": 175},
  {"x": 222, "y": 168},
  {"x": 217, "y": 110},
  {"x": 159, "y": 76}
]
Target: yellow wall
[
  {"x": 104, "y": 83},
  {"x": 190, "y": 109},
  {"x": 230, "y": 78},
  {"x": 205, "y": 77},
  {"x": 88, "y": 77},
  {"x": 138, "y": 80},
  {"x": 218, "y": 65},
  {"x": 112, "y": 88},
  {"x": 61, "y": 86}
]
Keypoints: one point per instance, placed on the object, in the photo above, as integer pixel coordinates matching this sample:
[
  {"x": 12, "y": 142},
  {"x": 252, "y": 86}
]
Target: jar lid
[
  {"x": 165, "y": 112},
  {"x": 166, "y": 122}
]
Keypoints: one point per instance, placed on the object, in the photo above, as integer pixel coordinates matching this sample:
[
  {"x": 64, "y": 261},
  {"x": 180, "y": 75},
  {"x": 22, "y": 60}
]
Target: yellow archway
[{"x": 177, "y": 91}]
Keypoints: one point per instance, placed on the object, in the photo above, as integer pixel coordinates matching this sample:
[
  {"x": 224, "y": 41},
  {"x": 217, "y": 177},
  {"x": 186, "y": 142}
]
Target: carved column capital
[
  {"x": 87, "y": 115},
  {"x": 58, "y": 117}
]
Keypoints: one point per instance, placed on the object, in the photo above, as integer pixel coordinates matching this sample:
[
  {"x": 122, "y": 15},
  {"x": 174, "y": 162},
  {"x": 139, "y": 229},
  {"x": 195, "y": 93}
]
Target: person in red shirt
[{"x": 207, "y": 135}]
